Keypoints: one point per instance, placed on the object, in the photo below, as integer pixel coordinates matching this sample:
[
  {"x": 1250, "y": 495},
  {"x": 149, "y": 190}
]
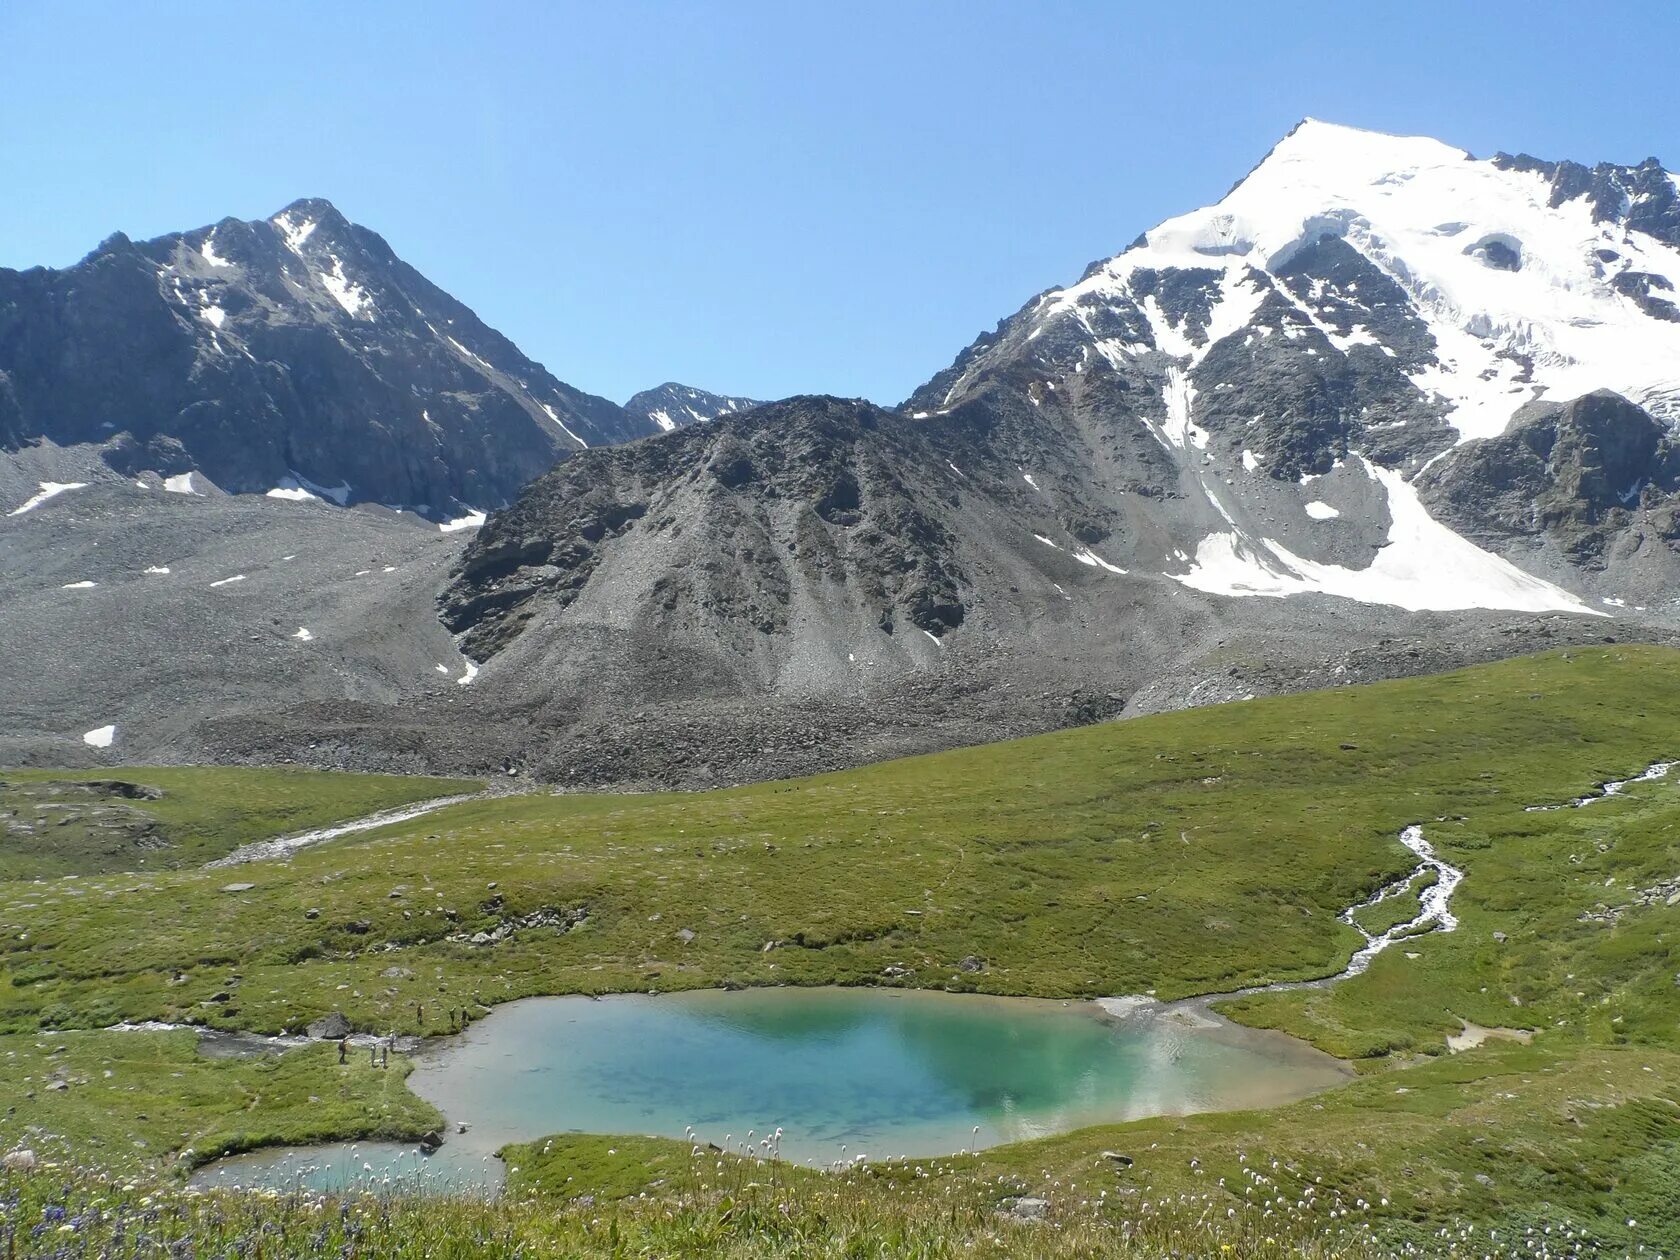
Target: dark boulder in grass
[{"x": 332, "y": 1027}]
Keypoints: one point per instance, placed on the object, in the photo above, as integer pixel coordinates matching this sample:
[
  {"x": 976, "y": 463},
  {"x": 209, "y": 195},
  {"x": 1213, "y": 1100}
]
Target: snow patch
[
  {"x": 1087, "y": 556},
  {"x": 208, "y": 251},
  {"x": 468, "y": 674},
  {"x": 298, "y": 488},
  {"x": 99, "y": 736},
  {"x": 49, "y": 489},
  {"x": 472, "y": 520},
  {"x": 180, "y": 483},
  {"x": 227, "y": 581},
  {"x": 295, "y": 230},
  {"x": 1179, "y": 430},
  {"x": 483, "y": 363},
  {"x": 83, "y": 585},
  {"x": 1321, "y": 511},
  {"x": 303, "y": 635},
  {"x": 555, "y": 416},
  {"x": 1424, "y": 566},
  {"x": 348, "y": 294},
  {"x": 157, "y": 569}
]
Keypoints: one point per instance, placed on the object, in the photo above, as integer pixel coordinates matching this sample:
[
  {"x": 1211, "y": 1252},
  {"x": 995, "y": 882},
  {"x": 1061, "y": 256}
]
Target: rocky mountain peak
[
  {"x": 675, "y": 406},
  {"x": 290, "y": 351}
]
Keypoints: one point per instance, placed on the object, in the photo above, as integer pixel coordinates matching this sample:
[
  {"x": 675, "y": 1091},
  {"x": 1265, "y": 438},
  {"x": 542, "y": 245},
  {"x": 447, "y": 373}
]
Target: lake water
[{"x": 843, "y": 1072}]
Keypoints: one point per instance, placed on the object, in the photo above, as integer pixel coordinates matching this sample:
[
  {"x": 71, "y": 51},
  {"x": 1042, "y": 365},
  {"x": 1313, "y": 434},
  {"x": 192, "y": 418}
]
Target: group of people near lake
[{"x": 379, "y": 1050}]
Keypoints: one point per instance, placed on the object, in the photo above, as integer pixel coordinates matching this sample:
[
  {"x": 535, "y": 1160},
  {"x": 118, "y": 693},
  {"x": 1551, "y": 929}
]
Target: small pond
[{"x": 843, "y": 1072}]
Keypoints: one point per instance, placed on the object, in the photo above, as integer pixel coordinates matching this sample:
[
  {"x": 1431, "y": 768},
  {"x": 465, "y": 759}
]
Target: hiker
[{"x": 343, "y": 1050}]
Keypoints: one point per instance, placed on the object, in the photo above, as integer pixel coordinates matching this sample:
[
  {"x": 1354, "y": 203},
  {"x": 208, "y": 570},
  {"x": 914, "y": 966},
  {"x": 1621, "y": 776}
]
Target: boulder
[{"x": 334, "y": 1027}]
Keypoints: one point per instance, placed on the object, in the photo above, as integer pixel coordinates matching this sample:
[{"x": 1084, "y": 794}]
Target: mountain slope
[
  {"x": 287, "y": 352},
  {"x": 1384, "y": 405},
  {"x": 673, "y": 406}
]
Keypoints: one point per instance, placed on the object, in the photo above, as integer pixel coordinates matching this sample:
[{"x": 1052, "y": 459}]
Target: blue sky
[{"x": 764, "y": 198}]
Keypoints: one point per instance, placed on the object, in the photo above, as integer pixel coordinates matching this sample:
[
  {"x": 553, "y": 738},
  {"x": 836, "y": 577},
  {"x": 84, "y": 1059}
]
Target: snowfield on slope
[
  {"x": 1424, "y": 565},
  {"x": 49, "y": 490}
]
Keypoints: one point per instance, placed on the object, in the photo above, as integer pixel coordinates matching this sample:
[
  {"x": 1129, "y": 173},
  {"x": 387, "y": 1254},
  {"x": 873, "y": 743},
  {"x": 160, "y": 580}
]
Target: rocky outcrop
[
  {"x": 726, "y": 530},
  {"x": 1642, "y": 198},
  {"x": 1584, "y": 475}
]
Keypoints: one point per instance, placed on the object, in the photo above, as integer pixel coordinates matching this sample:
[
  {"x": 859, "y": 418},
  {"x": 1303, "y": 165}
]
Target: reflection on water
[{"x": 842, "y": 1072}]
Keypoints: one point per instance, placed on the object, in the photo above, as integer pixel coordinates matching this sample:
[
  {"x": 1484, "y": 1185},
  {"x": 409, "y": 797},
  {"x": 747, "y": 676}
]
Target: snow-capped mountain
[
  {"x": 288, "y": 352},
  {"x": 1385, "y": 407},
  {"x": 673, "y": 406},
  {"x": 1358, "y": 309}
]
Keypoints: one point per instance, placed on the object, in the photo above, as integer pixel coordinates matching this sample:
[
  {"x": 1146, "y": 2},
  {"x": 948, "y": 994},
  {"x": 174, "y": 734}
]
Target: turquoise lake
[{"x": 842, "y": 1072}]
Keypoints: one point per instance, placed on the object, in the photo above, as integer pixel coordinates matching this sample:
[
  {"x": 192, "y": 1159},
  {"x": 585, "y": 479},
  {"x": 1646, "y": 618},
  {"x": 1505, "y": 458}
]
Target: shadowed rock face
[
  {"x": 1644, "y": 198},
  {"x": 736, "y": 526},
  {"x": 297, "y": 346},
  {"x": 1583, "y": 475}
]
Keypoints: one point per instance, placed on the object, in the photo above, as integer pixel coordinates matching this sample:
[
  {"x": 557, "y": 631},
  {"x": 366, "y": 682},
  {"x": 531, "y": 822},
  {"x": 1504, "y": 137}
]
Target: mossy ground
[
  {"x": 1192, "y": 853},
  {"x": 134, "y": 1103}
]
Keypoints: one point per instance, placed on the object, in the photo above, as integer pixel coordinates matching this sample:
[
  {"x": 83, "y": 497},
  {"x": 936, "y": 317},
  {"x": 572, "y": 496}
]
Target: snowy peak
[
  {"x": 1247, "y": 395},
  {"x": 1505, "y": 280},
  {"x": 675, "y": 406}
]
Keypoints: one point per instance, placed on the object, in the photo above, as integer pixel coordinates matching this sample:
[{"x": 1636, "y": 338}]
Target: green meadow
[
  {"x": 1193, "y": 853},
  {"x": 93, "y": 822}
]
